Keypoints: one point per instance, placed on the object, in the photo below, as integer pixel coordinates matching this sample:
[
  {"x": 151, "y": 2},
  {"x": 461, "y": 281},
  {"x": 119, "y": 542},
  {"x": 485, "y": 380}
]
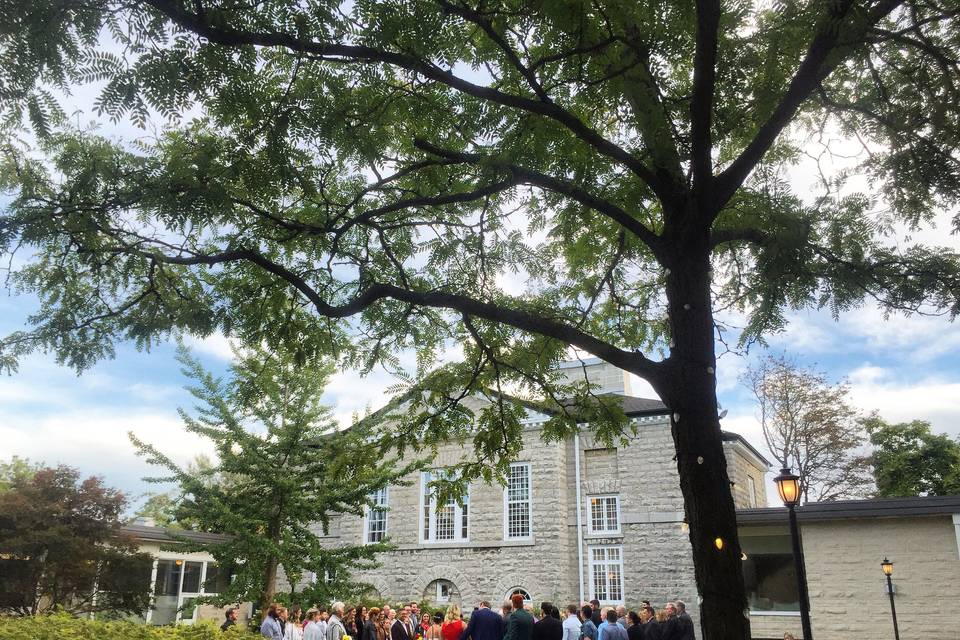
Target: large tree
[
  {"x": 910, "y": 460},
  {"x": 809, "y": 425},
  {"x": 282, "y": 469},
  {"x": 62, "y": 547},
  {"x": 518, "y": 177}
]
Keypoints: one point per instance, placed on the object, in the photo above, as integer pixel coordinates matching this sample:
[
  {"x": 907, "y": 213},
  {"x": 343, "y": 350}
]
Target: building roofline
[
  {"x": 852, "y": 509},
  {"x": 147, "y": 533},
  {"x": 582, "y": 362},
  {"x": 730, "y": 436}
]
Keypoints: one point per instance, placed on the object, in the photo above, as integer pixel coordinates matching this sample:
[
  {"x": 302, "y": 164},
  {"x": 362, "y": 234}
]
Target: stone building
[{"x": 577, "y": 520}]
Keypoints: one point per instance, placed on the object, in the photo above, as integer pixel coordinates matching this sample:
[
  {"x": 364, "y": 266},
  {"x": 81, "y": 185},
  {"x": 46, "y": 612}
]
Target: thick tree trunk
[
  {"x": 690, "y": 392},
  {"x": 269, "y": 588}
]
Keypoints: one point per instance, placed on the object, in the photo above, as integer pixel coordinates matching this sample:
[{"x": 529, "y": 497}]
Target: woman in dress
[
  {"x": 424, "y": 625},
  {"x": 293, "y": 630},
  {"x": 375, "y": 622},
  {"x": 350, "y": 622},
  {"x": 452, "y": 624},
  {"x": 435, "y": 630},
  {"x": 361, "y": 619}
]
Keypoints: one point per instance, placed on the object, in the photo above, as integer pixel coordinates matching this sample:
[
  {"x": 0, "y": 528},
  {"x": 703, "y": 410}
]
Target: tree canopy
[
  {"x": 909, "y": 460},
  {"x": 510, "y": 178},
  {"x": 810, "y": 426},
  {"x": 61, "y": 547}
]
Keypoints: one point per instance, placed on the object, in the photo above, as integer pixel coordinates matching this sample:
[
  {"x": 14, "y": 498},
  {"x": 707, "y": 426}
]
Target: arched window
[
  {"x": 523, "y": 592},
  {"x": 442, "y": 592}
]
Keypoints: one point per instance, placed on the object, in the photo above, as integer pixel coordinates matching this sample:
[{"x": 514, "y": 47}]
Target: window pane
[
  {"x": 771, "y": 582},
  {"x": 445, "y": 521},
  {"x": 168, "y": 578},
  {"x": 191, "y": 577},
  {"x": 377, "y": 517},
  {"x": 210, "y": 585},
  {"x": 425, "y": 481}
]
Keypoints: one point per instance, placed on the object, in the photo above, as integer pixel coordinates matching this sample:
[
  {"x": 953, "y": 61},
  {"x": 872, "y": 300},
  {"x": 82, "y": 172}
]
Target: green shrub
[{"x": 65, "y": 627}]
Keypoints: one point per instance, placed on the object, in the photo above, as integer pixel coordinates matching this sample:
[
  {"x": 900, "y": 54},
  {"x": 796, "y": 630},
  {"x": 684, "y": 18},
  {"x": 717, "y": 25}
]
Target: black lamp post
[
  {"x": 887, "y": 567},
  {"x": 788, "y": 486}
]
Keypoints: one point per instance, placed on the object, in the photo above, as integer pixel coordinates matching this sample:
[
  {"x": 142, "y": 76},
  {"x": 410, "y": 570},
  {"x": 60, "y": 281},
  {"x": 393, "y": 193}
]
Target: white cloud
[
  {"x": 216, "y": 345},
  {"x": 95, "y": 441},
  {"x": 932, "y": 398}
]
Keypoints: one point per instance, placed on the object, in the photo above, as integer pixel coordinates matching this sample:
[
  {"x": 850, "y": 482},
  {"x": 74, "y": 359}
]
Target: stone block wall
[
  {"x": 742, "y": 466},
  {"x": 848, "y": 597}
]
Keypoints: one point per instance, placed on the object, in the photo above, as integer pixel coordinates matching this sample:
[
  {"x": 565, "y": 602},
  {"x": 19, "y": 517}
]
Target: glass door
[
  {"x": 189, "y": 591},
  {"x": 166, "y": 594}
]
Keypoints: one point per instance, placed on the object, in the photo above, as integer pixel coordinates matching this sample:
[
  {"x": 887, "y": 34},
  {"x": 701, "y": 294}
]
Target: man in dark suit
[
  {"x": 548, "y": 628},
  {"x": 484, "y": 624},
  {"x": 520, "y": 623},
  {"x": 402, "y": 628},
  {"x": 671, "y": 629},
  {"x": 686, "y": 622}
]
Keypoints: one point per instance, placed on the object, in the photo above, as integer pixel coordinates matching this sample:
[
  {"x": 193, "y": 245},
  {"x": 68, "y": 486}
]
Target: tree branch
[
  {"x": 701, "y": 102},
  {"x": 555, "y": 185},
  {"x": 229, "y": 36},
  {"x": 819, "y": 62},
  {"x": 522, "y": 319}
]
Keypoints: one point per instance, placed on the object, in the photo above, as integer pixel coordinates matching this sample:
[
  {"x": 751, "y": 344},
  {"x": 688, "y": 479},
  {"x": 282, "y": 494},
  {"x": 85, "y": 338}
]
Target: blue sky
[{"x": 905, "y": 368}]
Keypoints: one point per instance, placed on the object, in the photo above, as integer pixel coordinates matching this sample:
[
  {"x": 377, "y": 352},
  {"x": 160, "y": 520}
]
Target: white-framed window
[
  {"x": 751, "y": 492},
  {"x": 604, "y": 514},
  {"x": 517, "y": 504},
  {"x": 441, "y": 592},
  {"x": 447, "y": 522},
  {"x": 375, "y": 524},
  {"x": 523, "y": 592},
  {"x": 606, "y": 574}
]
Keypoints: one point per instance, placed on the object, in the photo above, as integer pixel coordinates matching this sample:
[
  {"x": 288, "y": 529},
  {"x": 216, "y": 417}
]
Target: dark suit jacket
[
  {"x": 672, "y": 629},
  {"x": 484, "y": 625},
  {"x": 519, "y": 626},
  {"x": 686, "y": 626},
  {"x": 398, "y": 631},
  {"x": 549, "y": 628},
  {"x": 653, "y": 631},
  {"x": 637, "y": 632}
]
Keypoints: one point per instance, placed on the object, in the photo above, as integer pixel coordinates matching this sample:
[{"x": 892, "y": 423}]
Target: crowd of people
[{"x": 516, "y": 620}]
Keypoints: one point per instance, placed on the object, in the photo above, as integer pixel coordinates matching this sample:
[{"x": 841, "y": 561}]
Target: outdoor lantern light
[
  {"x": 887, "y": 567},
  {"x": 718, "y": 543},
  {"x": 788, "y": 485}
]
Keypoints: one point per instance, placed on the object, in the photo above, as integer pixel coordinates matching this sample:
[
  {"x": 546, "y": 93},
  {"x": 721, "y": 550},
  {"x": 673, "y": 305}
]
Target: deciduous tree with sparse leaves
[
  {"x": 809, "y": 426},
  {"x": 397, "y": 167}
]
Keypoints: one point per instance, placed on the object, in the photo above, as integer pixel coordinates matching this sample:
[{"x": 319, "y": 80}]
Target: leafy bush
[{"x": 66, "y": 627}]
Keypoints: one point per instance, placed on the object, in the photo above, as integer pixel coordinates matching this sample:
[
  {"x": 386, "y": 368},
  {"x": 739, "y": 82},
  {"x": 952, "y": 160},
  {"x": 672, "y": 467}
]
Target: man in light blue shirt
[
  {"x": 603, "y": 625},
  {"x": 609, "y": 629},
  {"x": 571, "y": 626}
]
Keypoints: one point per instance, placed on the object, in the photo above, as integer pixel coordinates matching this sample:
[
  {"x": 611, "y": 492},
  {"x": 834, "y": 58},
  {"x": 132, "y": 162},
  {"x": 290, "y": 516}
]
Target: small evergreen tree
[{"x": 283, "y": 469}]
